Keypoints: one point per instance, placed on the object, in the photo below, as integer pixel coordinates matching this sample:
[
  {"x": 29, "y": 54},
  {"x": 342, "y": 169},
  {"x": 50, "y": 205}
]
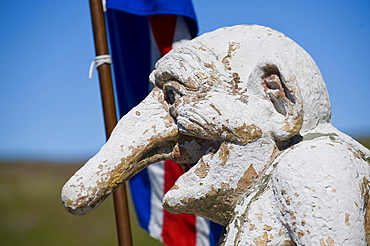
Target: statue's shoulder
[
  {"x": 321, "y": 186},
  {"x": 324, "y": 153}
]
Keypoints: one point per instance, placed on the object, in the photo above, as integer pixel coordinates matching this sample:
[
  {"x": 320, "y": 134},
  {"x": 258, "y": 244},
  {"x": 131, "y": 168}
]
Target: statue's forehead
[
  {"x": 225, "y": 55},
  {"x": 195, "y": 65}
]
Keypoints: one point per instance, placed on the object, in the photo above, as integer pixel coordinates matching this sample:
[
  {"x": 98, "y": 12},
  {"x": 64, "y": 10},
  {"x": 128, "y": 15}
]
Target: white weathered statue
[{"x": 248, "y": 109}]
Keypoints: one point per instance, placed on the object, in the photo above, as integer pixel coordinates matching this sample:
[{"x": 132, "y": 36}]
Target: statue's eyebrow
[{"x": 166, "y": 77}]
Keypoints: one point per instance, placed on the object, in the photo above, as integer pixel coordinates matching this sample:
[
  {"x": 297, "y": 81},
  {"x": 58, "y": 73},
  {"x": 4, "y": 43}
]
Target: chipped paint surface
[
  {"x": 320, "y": 199},
  {"x": 114, "y": 163},
  {"x": 365, "y": 187},
  {"x": 246, "y": 113}
]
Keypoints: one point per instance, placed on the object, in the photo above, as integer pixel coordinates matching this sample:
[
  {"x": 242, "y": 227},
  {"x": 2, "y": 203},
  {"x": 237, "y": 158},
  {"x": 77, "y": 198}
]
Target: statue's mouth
[{"x": 191, "y": 149}]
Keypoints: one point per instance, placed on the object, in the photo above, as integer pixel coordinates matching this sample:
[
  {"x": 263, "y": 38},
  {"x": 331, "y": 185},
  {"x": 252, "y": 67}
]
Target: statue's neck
[{"x": 257, "y": 154}]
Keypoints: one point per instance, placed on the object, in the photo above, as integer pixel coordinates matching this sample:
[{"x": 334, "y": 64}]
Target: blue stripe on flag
[
  {"x": 131, "y": 60},
  {"x": 132, "y": 66},
  {"x": 215, "y": 232},
  {"x": 145, "y": 7},
  {"x": 140, "y": 185}
]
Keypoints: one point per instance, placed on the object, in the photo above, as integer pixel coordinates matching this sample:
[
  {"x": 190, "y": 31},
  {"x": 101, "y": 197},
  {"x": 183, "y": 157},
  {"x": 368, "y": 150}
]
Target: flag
[{"x": 140, "y": 32}]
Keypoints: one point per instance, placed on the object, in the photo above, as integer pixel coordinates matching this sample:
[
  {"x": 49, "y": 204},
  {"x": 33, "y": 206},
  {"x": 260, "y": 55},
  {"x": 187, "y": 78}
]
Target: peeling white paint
[{"x": 247, "y": 109}]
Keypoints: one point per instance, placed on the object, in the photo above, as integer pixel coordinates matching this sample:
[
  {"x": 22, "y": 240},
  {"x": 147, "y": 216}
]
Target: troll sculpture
[{"x": 247, "y": 109}]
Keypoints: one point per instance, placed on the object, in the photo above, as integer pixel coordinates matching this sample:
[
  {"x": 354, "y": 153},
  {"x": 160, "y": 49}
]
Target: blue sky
[{"x": 51, "y": 110}]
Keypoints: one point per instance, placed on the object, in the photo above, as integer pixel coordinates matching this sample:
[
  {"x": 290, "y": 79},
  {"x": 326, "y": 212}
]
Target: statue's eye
[{"x": 172, "y": 95}]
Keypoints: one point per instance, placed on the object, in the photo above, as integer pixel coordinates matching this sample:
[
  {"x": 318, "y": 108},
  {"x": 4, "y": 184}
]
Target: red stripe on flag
[
  {"x": 163, "y": 28},
  {"x": 178, "y": 229}
]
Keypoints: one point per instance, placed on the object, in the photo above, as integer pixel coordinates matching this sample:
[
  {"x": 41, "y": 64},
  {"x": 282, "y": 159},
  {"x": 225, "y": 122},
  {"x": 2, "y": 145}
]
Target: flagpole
[{"x": 110, "y": 118}]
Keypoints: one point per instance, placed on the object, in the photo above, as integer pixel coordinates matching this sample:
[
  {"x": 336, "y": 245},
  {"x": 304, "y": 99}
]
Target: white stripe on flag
[
  {"x": 156, "y": 178},
  {"x": 154, "y": 51},
  {"x": 154, "y": 56},
  {"x": 182, "y": 33},
  {"x": 202, "y": 226}
]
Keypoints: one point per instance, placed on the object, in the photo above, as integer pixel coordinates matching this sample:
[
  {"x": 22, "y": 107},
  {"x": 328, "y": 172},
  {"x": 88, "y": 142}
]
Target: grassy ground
[
  {"x": 31, "y": 212},
  {"x": 364, "y": 141}
]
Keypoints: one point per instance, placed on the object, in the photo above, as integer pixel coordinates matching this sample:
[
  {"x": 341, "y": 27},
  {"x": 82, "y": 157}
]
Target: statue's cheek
[{"x": 195, "y": 119}]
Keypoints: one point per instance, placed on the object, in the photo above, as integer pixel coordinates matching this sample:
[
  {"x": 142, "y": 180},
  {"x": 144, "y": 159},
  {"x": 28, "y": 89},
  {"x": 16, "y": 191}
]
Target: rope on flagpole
[
  {"x": 98, "y": 61},
  {"x": 104, "y": 3}
]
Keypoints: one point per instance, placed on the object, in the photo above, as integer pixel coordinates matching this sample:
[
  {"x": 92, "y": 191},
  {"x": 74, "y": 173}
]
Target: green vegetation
[
  {"x": 364, "y": 141},
  {"x": 31, "y": 212}
]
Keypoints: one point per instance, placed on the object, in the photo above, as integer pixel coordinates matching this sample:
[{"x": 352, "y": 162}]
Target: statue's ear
[
  {"x": 276, "y": 90},
  {"x": 277, "y": 83}
]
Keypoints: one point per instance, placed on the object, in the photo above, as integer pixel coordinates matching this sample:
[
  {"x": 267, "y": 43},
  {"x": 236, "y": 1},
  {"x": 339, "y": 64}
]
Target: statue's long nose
[{"x": 138, "y": 140}]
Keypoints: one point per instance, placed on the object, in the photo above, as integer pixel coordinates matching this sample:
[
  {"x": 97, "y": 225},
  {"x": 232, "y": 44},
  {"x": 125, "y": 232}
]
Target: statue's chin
[{"x": 195, "y": 191}]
